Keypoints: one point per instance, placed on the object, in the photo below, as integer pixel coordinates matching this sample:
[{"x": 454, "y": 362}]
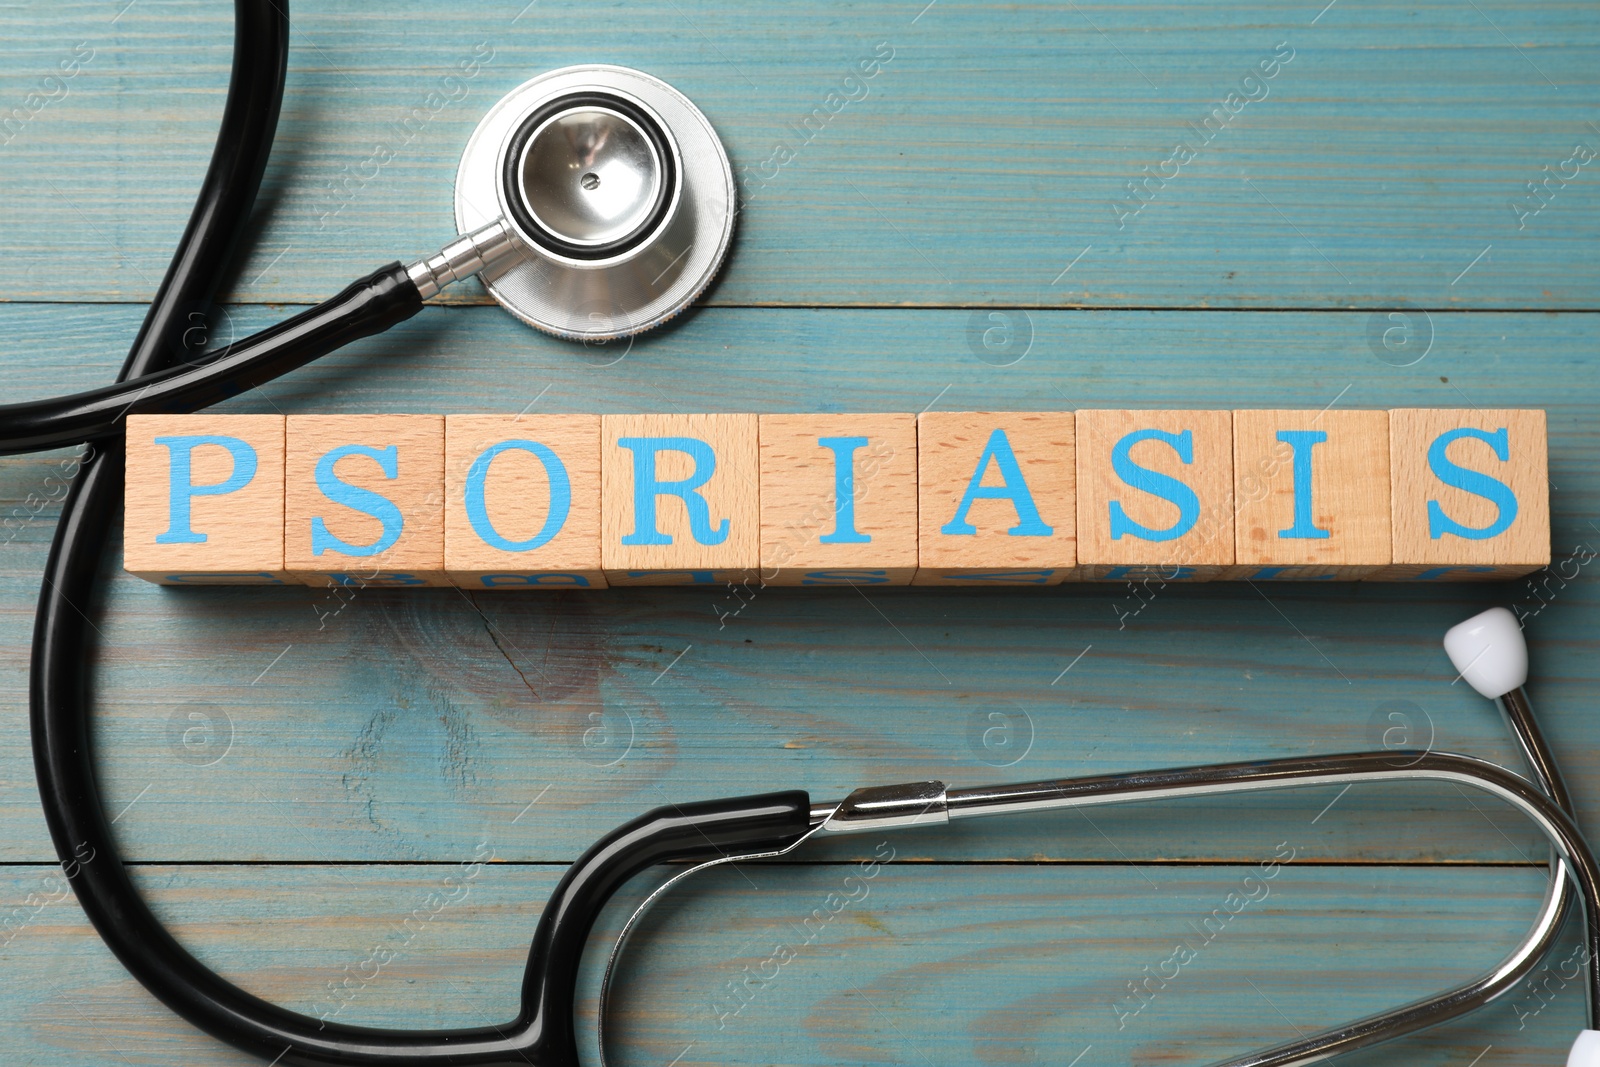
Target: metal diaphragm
[{"x": 618, "y": 193}]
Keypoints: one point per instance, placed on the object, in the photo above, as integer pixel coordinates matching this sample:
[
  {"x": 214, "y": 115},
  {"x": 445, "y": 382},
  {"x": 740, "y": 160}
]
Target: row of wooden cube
[{"x": 941, "y": 498}]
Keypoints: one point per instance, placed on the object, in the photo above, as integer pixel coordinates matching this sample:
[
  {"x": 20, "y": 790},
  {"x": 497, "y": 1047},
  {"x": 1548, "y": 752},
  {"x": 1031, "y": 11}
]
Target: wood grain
[
  {"x": 241, "y": 530},
  {"x": 1196, "y": 451},
  {"x": 1446, "y": 529},
  {"x": 707, "y": 534},
  {"x": 1028, "y": 536},
  {"x": 900, "y": 261},
  {"x": 940, "y": 964},
  {"x": 1347, "y": 531},
  {"x": 518, "y": 498},
  {"x": 334, "y": 755},
  {"x": 1426, "y": 121},
  {"x": 804, "y": 540},
  {"x": 401, "y": 461}
]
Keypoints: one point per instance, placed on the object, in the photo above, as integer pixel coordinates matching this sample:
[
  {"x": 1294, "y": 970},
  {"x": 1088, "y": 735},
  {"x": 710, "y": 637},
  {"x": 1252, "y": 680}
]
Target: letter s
[
  {"x": 364, "y": 500},
  {"x": 1471, "y": 481},
  {"x": 1156, "y": 484}
]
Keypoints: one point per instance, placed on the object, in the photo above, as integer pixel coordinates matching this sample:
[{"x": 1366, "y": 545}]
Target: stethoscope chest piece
[{"x": 616, "y": 192}]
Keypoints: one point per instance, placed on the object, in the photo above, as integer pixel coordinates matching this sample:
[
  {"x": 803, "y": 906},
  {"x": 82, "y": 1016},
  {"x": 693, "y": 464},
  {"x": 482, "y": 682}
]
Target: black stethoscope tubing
[
  {"x": 161, "y": 375},
  {"x": 59, "y": 698}
]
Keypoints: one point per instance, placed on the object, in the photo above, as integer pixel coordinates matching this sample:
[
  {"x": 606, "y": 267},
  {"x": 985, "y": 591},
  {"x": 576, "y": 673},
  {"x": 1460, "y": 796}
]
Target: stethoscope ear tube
[
  {"x": 366, "y": 307},
  {"x": 543, "y": 1034},
  {"x": 705, "y": 830}
]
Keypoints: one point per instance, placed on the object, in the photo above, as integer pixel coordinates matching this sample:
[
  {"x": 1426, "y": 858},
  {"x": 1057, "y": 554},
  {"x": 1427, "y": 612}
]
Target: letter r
[{"x": 647, "y": 487}]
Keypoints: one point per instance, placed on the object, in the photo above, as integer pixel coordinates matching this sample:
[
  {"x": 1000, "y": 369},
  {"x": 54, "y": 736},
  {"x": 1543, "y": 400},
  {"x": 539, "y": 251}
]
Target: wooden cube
[
  {"x": 838, "y": 499},
  {"x": 364, "y": 500},
  {"x": 1155, "y": 495},
  {"x": 996, "y": 503},
  {"x": 522, "y": 501},
  {"x": 1471, "y": 494},
  {"x": 1312, "y": 493},
  {"x": 204, "y": 499},
  {"x": 679, "y": 499}
]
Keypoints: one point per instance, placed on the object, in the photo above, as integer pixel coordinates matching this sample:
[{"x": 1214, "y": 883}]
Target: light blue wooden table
[{"x": 348, "y": 767}]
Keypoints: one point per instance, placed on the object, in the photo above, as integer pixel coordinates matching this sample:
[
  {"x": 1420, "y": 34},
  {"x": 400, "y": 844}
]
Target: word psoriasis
[{"x": 941, "y": 498}]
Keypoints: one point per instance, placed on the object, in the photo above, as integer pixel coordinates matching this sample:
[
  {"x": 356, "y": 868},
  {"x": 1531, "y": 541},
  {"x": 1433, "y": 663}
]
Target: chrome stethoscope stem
[
  {"x": 1490, "y": 986},
  {"x": 878, "y": 808},
  {"x": 467, "y": 255},
  {"x": 931, "y": 803},
  {"x": 1518, "y": 713}
]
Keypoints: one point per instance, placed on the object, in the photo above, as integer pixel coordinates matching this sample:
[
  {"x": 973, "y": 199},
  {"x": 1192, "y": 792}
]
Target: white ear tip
[
  {"x": 1489, "y": 652},
  {"x": 1586, "y": 1050}
]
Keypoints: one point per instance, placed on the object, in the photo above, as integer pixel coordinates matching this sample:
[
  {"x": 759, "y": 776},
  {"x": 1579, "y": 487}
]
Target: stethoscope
[{"x": 596, "y": 202}]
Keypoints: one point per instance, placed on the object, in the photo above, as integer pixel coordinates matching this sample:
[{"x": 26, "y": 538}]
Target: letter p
[{"x": 181, "y": 487}]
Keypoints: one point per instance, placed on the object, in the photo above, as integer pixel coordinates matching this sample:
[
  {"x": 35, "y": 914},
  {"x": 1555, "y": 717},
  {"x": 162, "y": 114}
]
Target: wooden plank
[
  {"x": 1312, "y": 489},
  {"x": 522, "y": 501},
  {"x": 838, "y": 499},
  {"x": 941, "y": 964},
  {"x": 996, "y": 497},
  {"x": 203, "y": 502},
  {"x": 336, "y": 755},
  {"x": 1381, "y": 156},
  {"x": 1388, "y": 161},
  {"x": 1441, "y": 526}
]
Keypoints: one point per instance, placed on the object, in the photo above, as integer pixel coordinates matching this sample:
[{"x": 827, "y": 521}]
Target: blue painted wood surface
[
  {"x": 936, "y": 964},
  {"x": 984, "y": 158},
  {"x": 346, "y": 760}
]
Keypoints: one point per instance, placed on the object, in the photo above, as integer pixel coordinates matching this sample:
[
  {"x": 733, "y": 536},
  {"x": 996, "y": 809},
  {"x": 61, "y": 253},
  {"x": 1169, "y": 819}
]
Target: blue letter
[
  {"x": 646, "y": 488},
  {"x": 225, "y": 578},
  {"x": 862, "y": 577},
  {"x": 1038, "y": 577},
  {"x": 695, "y": 577},
  {"x": 1156, "y": 484},
  {"x": 377, "y": 579},
  {"x": 181, "y": 491},
  {"x": 1139, "y": 572},
  {"x": 1302, "y": 441},
  {"x": 1496, "y": 492},
  {"x": 501, "y": 581},
  {"x": 560, "y": 497},
  {"x": 1433, "y": 574},
  {"x": 844, "y": 491},
  {"x": 1264, "y": 573},
  {"x": 1013, "y": 488},
  {"x": 364, "y": 500}
]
